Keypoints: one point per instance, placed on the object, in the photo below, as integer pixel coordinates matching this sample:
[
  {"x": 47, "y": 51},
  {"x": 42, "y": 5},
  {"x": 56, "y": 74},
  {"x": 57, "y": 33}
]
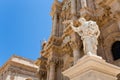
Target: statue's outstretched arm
[{"x": 74, "y": 28}]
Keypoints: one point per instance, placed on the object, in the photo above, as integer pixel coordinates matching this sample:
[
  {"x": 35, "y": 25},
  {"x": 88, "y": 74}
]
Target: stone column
[
  {"x": 48, "y": 71},
  {"x": 61, "y": 27},
  {"x": 76, "y": 54},
  {"x": 52, "y": 71},
  {"x": 91, "y": 4},
  {"x": 54, "y": 24},
  {"x": 75, "y": 45},
  {"x": 83, "y": 3},
  {"x": 73, "y": 8},
  {"x": 40, "y": 74},
  {"x": 76, "y": 51},
  {"x": 78, "y": 5},
  {"x": 59, "y": 69},
  {"x": 59, "y": 73}
]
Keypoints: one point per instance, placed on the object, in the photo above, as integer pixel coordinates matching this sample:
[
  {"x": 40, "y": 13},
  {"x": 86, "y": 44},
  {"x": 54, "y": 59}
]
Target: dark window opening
[{"x": 116, "y": 50}]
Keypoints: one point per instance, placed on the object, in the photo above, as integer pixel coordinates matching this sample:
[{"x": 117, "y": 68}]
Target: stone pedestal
[{"x": 92, "y": 68}]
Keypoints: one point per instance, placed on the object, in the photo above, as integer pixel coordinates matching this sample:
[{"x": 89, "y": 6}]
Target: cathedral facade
[{"x": 64, "y": 48}]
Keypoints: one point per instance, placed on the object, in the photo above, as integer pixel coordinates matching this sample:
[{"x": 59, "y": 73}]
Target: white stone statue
[{"x": 89, "y": 32}]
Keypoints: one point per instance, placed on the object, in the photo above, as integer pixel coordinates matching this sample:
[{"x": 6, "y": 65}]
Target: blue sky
[{"x": 23, "y": 25}]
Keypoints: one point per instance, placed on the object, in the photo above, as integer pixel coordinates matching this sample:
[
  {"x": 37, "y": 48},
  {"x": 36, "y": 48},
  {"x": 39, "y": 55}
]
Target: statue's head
[{"x": 82, "y": 20}]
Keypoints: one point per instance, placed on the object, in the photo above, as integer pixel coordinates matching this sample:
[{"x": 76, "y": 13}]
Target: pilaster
[
  {"x": 52, "y": 71},
  {"x": 75, "y": 45},
  {"x": 73, "y": 8}
]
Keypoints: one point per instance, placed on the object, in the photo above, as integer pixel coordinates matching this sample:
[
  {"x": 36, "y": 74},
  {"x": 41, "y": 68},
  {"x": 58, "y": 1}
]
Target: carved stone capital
[{"x": 55, "y": 61}]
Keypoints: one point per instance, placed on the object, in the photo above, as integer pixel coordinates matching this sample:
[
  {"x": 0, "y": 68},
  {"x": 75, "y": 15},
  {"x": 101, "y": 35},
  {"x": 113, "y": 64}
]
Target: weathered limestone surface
[
  {"x": 95, "y": 38},
  {"x": 92, "y": 68},
  {"x": 18, "y": 68},
  {"x": 52, "y": 71}
]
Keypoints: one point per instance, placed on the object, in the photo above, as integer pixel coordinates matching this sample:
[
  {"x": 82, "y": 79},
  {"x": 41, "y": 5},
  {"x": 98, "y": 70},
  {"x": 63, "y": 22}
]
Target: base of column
[{"x": 92, "y": 68}]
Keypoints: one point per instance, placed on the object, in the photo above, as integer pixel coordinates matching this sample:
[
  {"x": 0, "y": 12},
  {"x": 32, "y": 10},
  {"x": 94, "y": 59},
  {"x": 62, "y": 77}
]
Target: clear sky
[{"x": 23, "y": 25}]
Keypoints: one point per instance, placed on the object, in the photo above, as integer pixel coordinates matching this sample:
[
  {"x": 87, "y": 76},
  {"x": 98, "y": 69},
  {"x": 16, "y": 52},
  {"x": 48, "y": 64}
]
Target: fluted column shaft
[
  {"x": 59, "y": 75},
  {"x": 52, "y": 71},
  {"x": 78, "y": 5},
  {"x": 61, "y": 27},
  {"x": 54, "y": 24},
  {"x": 75, "y": 45},
  {"x": 76, "y": 51},
  {"x": 48, "y": 72},
  {"x": 91, "y": 4},
  {"x": 73, "y": 8},
  {"x": 83, "y": 3}
]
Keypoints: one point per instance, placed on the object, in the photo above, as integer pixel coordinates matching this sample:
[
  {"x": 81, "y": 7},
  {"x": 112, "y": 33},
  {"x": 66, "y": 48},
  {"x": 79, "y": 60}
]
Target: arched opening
[{"x": 116, "y": 50}]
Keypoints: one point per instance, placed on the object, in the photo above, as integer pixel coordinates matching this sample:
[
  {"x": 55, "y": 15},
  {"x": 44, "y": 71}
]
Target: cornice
[
  {"x": 21, "y": 70},
  {"x": 10, "y": 62},
  {"x": 53, "y": 42}
]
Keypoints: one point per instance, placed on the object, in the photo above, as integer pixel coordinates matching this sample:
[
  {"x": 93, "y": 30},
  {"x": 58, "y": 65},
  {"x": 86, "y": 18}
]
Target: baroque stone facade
[
  {"x": 65, "y": 47},
  {"x": 18, "y": 68}
]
